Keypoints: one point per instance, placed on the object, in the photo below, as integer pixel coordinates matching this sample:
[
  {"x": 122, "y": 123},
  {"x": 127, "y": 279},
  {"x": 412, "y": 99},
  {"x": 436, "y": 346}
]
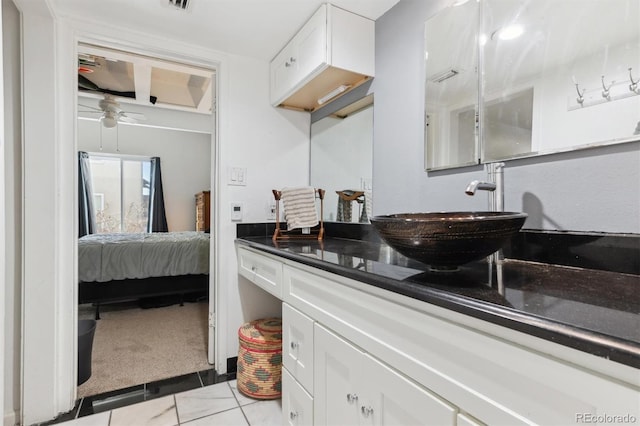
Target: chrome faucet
[
  {"x": 496, "y": 200},
  {"x": 495, "y": 186},
  {"x": 476, "y": 184}
]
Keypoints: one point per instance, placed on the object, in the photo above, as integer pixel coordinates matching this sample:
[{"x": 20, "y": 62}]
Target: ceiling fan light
[{"x": 108, "y": 120}]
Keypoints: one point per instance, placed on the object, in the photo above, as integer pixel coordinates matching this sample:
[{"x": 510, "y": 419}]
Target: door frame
[
  {"x": 52, "y": 327},
  {"x": 2, "y": 224}
]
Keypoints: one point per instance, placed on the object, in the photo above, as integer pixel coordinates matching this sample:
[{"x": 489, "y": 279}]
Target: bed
[{"x": 119, "y": 267}]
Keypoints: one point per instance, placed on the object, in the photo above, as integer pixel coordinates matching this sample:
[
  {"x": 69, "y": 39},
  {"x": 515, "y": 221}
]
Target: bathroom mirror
[
  {"x": 557, "y": 75},
  {"x": 342, "y": 161},
  {"x": 451, "y": 87}
]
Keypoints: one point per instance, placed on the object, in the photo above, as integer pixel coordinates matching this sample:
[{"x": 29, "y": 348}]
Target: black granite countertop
[{"x": 591, "y": 310}]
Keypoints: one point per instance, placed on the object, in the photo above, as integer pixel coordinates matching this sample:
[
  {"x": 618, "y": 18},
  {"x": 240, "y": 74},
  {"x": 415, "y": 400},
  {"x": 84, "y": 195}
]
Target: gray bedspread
[{"x": 108, "y": 257}]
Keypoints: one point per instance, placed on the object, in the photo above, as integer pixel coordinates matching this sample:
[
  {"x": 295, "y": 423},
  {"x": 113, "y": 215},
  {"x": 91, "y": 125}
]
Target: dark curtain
[
  {"x": 87, "y": 219},
  {"x": 157, "y": 217}
]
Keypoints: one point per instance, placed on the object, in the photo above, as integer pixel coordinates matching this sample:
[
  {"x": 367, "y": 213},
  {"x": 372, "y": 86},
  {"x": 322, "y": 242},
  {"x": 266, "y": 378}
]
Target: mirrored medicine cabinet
[{"x": 516, "y": 78}]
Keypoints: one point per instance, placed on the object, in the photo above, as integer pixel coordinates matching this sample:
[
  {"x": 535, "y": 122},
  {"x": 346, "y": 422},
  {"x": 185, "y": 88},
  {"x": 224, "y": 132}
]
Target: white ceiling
[{"x": 254, "y": 28}]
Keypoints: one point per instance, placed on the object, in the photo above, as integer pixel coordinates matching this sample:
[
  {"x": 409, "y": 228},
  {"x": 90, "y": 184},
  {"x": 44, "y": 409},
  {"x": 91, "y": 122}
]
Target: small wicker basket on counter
[{"x": 260, "y": 359}]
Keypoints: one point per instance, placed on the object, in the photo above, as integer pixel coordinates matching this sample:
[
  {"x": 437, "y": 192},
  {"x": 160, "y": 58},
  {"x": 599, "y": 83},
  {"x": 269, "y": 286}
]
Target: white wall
[
  {"x": 12, "y": 211},
  {"x": 185, "y": 158},
  {"x": 48, "y": 272},
  {"x": 273, "y": 144},
  {"x": 591, "y": 190}
]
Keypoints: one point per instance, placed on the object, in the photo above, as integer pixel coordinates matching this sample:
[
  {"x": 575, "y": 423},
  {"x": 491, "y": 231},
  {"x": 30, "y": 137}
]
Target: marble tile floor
[
  {"x": 144, "y": 392},
  {"x": 215, "y": 404}
]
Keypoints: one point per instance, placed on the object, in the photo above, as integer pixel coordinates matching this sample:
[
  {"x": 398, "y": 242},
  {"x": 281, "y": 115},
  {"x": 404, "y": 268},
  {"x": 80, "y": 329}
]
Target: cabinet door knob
[
  {"x": 366, "y": 411},
  {"x": 351, "y": 398},
  {"x": 292, "y": 59},
  {"x": 294, "y": 345},
  {"x": 293, "y": 415},
  {"x": 254, "y": 268},
  {"x": 287, "y": 64}
]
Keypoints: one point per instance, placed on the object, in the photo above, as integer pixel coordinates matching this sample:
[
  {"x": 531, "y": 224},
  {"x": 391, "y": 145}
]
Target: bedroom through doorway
[{"x": 146, "y": 149}]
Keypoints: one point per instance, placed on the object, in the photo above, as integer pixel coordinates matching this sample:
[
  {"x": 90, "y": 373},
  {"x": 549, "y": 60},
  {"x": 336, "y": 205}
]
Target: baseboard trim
[
  {"x": 10, "y": 418},
  {"x": 232, "y": 364}
]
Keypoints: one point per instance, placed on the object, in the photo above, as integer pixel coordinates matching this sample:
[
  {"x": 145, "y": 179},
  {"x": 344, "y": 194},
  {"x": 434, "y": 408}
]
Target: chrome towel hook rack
[
  {"x": 580, "y": 98},
  {"x": 634, "y": 84},
  {"x": 605, "y": 90}
]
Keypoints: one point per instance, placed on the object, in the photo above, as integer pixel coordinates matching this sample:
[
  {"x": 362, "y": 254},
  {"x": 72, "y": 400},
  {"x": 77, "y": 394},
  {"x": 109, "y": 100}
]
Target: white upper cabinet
[{"x": 332, "y": 53}]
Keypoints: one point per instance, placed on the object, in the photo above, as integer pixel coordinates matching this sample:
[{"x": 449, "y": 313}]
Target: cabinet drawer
[
  {"x": 297, "y": 404},
  {"x": 297, "y": 345},
  {"x": 263, "y": 271}
]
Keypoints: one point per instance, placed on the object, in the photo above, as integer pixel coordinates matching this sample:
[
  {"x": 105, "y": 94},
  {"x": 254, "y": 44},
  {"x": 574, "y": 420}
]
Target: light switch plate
[{"x": 237, "y": 176}]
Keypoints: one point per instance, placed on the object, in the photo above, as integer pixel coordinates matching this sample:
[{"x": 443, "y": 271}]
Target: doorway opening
[{"x": 147, "y": 129}]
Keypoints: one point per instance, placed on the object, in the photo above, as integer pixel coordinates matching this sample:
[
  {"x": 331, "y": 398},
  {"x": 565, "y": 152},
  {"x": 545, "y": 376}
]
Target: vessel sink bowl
[{"x": 447, "y": 240}]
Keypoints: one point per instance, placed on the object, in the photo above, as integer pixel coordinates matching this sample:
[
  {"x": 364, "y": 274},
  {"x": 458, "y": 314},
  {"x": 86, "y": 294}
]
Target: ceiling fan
[{"x": 111, "y": 113}]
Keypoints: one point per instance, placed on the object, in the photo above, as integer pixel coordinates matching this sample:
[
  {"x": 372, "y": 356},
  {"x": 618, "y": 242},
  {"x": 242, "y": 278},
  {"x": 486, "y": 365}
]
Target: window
[{"x": 121, "y": 188}]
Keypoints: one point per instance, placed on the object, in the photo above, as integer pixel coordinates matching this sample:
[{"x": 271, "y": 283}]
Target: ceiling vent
[{"x": 180, "y": 4}]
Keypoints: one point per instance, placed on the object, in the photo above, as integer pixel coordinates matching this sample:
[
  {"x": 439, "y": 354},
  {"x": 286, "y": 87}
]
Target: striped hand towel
[{"x": 299, "y": 207}]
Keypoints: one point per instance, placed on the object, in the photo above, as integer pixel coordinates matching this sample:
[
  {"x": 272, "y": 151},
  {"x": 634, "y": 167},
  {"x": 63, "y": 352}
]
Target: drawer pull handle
[
  {"x": 366, "y": 411},
  {"x": 293, "y": 415},
  {"x": 351, "y": 398},
  {"x": 295, "y": 345}
]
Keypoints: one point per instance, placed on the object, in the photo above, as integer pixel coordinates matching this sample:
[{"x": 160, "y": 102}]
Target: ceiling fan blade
[
  {"x": 90, "y": 107},
  {"x": 126, "y": 119},
  {"x": 134, "y": 115},
  {"x": 92, "y": 112}
]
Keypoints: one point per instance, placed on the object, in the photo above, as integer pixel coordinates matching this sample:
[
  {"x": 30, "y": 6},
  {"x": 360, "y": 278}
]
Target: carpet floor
[{"x": 133, "y": 346}]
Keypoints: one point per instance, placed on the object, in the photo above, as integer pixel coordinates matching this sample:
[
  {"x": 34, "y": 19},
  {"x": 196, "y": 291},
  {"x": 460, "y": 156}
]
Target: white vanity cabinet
[
  {"x": 263, "y": 270},
  {"x": 358, "y": 354},
  {"x": 353, "y": 388},
  {"x": 297, "y": 345},
  {"x": 297, "y": 403},
  {"x": 298, "y": 369},
  {"x": 334, "y": 48}
]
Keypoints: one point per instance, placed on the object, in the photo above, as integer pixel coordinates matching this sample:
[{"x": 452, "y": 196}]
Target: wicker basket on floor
[{"x": 259, "y": 372}]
